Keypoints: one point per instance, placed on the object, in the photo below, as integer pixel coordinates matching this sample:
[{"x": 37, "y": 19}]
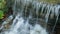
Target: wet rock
[{"x": 32, "y": 21}]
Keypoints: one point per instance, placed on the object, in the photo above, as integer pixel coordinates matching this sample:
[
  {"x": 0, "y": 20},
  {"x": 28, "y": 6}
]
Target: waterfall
[{"x": 28, "y": 16}]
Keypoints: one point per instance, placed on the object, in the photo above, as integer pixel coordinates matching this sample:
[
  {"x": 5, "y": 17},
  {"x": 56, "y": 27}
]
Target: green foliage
[
  {"x": 3, "y": 8},
  {"x": 1, "y": 14},
  {"x": 2, "y": 4}
]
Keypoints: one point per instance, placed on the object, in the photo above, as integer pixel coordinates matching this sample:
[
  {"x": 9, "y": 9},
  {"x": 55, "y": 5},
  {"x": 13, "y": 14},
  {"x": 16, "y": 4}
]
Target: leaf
[{"x": 1, "y": 14}]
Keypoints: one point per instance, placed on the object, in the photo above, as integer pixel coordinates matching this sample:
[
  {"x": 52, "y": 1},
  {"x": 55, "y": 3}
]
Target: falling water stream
[{"x": 26, "y": 10}]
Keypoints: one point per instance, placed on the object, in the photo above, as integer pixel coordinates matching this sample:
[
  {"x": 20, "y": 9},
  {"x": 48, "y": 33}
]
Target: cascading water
[{"x": 27, "y": 14}]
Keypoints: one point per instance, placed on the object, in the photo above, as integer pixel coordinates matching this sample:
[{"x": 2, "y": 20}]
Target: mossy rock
[{"x": 50, "y": 1}]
